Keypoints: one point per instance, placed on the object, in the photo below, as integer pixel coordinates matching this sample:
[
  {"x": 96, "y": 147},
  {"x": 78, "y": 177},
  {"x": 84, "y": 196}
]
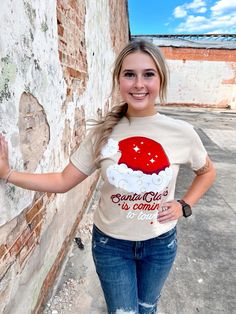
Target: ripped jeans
[{"x": 132, "y": 273}]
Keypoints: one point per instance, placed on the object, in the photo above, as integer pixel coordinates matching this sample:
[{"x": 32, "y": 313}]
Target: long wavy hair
[{"x": 104, "y": 127}]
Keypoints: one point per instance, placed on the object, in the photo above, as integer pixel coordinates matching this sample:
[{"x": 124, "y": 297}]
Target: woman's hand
[
  {"x": 4, "y": 161},
  {"x": 170, "y": 211},
  {"x": 56, "y": 182}
]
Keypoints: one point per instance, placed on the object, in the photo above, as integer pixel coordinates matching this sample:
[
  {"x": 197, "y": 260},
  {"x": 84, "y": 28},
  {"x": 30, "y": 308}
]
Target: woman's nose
[{"x": 139, "y": 82}]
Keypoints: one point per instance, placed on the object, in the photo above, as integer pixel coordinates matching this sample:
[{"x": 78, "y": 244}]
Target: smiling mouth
[{"x": 138, "y": 95}]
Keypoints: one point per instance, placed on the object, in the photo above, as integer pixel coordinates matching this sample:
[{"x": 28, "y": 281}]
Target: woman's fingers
[
  {"x": 3, "y": 146},
  {"x": 172, "y": 211},
  {"x": 4, "y": 162}
]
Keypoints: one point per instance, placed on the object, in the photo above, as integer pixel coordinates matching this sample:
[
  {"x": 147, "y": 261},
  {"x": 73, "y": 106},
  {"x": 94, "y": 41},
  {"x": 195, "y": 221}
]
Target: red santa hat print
[
  {"x": 144, "y": 154},
  {"x": 143, "y": 165}
]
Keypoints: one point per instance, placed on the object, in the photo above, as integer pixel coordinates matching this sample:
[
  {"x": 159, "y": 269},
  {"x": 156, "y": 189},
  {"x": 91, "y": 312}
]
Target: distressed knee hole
[
  {"x": 146, "y": 305},
  {"x": 122, "y": 311}
]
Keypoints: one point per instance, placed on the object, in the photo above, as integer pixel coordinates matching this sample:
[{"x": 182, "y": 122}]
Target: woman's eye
[
  {"x": 129, "y": 74},
  {"x": 149, "y": 74}
]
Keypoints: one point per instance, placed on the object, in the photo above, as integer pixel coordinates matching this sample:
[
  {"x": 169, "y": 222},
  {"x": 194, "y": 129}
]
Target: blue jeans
[{"x": 132, "y": 273}]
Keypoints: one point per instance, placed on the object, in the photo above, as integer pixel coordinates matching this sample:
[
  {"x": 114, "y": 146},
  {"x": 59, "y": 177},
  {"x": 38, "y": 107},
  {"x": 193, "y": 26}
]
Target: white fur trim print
[
  {"x": 110, "y": 149},
  {"x": 136, "y": 181}
]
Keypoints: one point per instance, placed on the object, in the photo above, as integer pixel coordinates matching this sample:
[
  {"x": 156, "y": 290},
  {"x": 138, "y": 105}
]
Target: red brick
[
  {"x": 52, "y": 274},
  {"x": 78, "y": 22},
  {"x": 222, "y": 104},
  {"x": 36, "y": 220},
  {"x": 68, "y": 92},
  {"x": 3, "y": 250},
  {"x": 63, "y": 5},
  {"x": 59, "y": 16},
  {"x": 118, "y": 18},
  {"x": 25, "y": 254},
  {"x": 173, "y": 53},
  {"x": 60, "y": 30},
  {"x": 63, "y": 42},
  {"x": 16, "y": 247},
  {"x": 37, "y": 230},
  {"x": 25, "y": 235},
  {"x": 34, "y": 210},
  {"x": 60, "y": 56},
  {"x": 229, "y": 81},
  {"x": 73, "y": 4},
  {"x": 74, "y": 73},
  {"x": 72, "y": 52}
]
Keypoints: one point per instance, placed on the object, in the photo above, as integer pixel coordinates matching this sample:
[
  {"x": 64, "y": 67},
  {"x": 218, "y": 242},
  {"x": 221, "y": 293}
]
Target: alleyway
[{"x": 202, "y": 279}]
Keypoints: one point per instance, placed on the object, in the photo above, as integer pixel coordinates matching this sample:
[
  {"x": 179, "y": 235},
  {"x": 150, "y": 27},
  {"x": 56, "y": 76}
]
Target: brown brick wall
[
  {"x": 119, "y": 24},
  {"x": 23, "y": 235},
  {"x": 224, "y": 60},
  {"x": 55, "y": 270},
  {"x": 177, "y": 53},
  {"x": 71, "y": 45}
]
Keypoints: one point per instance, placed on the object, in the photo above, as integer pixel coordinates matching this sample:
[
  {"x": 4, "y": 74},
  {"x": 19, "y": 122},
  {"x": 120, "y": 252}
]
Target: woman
[{"x": 139, "y": 152}]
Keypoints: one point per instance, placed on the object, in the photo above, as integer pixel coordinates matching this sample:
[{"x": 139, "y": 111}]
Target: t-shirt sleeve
[
  {"x": 197, "y": 153},
  {"x": 83, "y": 157}
]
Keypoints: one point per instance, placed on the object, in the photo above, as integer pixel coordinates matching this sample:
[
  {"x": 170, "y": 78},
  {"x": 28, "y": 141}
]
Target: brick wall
[
  {"x": 201, "y": 73},
  {"x": 118, "y": 16},
  {"x": 199, "y": 54},
  {"x": 57, "y": 73},
  {"x": 201, "y": 77},
  {"x": 72, "y": 45}
]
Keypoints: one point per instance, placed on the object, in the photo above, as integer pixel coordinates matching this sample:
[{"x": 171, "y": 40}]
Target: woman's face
[{"x": 139, "y": 84}]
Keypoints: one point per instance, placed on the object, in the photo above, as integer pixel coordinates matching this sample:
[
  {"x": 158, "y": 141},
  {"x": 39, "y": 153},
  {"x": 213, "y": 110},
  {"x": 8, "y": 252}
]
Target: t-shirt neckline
[{"x": 144, "y": 118}]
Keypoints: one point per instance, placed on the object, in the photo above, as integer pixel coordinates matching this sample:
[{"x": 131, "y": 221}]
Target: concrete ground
[{"x": 203, "y": 278}]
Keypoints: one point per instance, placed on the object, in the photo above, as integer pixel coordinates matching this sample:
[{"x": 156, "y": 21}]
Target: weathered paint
[
  {"x": 99, "y": 54},
  {"x": 34, "y": 131},
  {"x": 8, "y": 74},
  {"x": 202, "y": 83},
  {"x": 34, "y": 235},
  {"x": 30, "y": 47}
]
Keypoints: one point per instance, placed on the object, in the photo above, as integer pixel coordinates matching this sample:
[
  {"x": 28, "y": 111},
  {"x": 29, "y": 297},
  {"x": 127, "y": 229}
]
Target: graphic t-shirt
[{"x": 139, "y": 167}]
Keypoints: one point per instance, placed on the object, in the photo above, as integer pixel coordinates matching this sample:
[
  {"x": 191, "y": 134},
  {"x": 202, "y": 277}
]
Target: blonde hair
[{"x": 105, "y": 126}]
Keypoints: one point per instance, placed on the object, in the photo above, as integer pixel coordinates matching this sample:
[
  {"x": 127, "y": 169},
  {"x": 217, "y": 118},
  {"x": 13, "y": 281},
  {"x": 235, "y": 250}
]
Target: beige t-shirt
[{"x": 139, "y": 168}]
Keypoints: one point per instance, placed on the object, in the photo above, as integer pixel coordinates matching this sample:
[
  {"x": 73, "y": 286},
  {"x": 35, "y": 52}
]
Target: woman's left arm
[{"x": 202, "y": 181}]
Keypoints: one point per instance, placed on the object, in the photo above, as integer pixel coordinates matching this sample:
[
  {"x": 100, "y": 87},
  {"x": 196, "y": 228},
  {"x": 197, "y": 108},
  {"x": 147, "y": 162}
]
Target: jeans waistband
[{"x": 163, "y": 235}]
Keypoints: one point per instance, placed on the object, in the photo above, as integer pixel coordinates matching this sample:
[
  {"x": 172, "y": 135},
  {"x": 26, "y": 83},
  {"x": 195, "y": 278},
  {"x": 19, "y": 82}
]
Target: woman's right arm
[{"x": 57, "y": 182}]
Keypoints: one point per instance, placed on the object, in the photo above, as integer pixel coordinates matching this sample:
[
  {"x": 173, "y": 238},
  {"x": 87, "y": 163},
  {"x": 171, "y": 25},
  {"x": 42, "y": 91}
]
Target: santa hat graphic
[{"x": 142, "y": 167}]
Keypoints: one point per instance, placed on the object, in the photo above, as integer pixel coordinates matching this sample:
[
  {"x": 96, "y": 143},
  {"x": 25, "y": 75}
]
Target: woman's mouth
[{"x": 138, "y": 95}]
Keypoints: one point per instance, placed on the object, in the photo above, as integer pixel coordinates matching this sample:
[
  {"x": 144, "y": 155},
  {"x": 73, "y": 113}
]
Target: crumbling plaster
[
  {"x": 38, "y": 72},
  {"x": 30, "y": 63},
  {"x": 33, "y": 52},
  {"x": 100, "y": 55}
]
